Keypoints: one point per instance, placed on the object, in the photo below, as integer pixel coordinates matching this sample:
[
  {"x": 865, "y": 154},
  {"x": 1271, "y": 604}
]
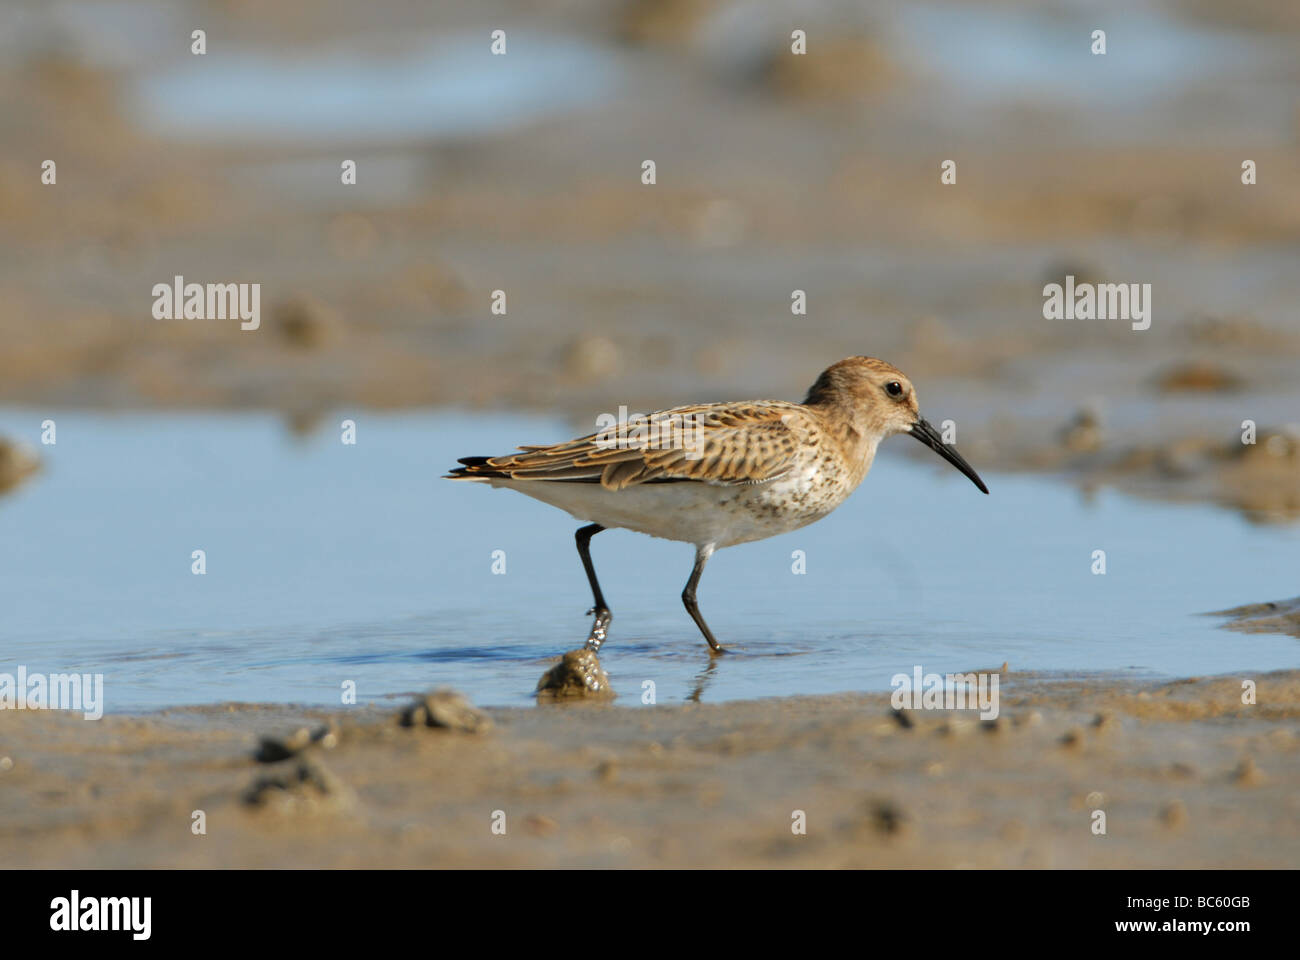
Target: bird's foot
[{"x": 599, "y": 628}]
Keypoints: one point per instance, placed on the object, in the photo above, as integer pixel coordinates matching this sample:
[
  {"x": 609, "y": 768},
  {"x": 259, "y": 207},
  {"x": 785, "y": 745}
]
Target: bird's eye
[{"x": 894, "y": 388}]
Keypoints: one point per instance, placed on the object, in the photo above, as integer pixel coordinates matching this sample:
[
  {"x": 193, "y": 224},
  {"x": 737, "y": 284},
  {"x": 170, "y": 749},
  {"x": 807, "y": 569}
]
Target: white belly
[{"x": 698, "y": 513}]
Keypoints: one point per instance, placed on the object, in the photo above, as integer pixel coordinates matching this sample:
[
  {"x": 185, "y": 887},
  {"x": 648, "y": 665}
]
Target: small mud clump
[
  {"x": 448, "y": 710},
  {"x": 1277, "y": 616},
  {"x": 17, "y": 463},
  {"x": 306, "y": 323},
  {"x": 578, "y": 674},
  {"x": 1173, "y": 815},
  {"x": 275, "y": 749},
  {"x": 1198, "y": 378},
  {"x": 1083, "y": 434},
  {"x": 886, "y": 818},
  {"x": 306, "y": 786}
]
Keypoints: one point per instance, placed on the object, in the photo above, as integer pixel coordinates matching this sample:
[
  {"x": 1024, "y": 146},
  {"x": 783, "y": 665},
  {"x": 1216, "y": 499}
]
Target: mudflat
[{"x": 1178, "y": 774}]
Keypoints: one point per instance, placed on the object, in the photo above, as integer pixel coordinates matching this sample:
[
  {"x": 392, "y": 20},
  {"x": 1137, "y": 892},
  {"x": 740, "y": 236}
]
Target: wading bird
[{"x": 718, "y": 474}]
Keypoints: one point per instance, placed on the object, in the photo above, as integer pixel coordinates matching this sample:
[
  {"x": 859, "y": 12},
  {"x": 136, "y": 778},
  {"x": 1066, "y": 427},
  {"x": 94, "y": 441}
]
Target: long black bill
[{"x": 924, "y": 432}]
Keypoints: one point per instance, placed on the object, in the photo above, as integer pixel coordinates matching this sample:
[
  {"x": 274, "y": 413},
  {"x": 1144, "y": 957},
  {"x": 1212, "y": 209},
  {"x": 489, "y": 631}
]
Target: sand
[{"x": 1185, "y": 773}]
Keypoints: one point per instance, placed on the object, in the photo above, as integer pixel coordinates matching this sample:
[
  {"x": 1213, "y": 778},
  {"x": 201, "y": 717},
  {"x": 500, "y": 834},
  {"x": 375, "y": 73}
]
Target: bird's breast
[{"x": 805, "y": 495}]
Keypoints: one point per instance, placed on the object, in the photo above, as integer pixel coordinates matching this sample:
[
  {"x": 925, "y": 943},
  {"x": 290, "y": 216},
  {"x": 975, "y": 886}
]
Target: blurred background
[{"x": 775, "y": 172}]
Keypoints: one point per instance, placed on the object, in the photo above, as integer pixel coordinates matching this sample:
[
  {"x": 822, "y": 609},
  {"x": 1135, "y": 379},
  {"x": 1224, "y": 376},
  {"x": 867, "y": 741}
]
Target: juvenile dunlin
[{"x": 719, "y": 474}]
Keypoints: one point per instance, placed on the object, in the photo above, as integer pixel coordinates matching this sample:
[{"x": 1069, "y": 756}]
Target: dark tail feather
[{"x": 474, "y": 467}]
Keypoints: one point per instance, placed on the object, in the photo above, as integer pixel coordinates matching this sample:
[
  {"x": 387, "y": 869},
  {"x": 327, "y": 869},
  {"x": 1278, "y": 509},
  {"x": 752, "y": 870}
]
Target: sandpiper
[{"x": 718, "y": 474}]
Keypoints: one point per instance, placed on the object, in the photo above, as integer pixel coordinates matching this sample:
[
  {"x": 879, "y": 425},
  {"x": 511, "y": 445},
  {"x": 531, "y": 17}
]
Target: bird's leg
[
  {"x": 600, "y": 627},
  {"x": 702, "y": 555}
]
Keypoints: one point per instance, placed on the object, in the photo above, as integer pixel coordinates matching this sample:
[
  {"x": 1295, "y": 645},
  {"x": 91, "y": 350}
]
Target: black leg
[
  {"x": 600, "y": 628},
  {"x": 702, "y": 555}
]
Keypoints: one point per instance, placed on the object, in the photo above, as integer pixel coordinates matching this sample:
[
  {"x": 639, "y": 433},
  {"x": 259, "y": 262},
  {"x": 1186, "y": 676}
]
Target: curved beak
[{"x": 924, "y": 432}]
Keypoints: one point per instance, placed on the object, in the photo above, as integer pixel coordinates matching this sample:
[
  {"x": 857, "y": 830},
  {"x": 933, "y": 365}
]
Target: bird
[{"x": 717, "y": 475}]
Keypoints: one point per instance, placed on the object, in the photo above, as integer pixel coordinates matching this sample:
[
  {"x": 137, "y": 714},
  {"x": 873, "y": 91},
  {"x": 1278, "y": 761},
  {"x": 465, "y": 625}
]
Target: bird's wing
[{"x": 736, "y": 443}]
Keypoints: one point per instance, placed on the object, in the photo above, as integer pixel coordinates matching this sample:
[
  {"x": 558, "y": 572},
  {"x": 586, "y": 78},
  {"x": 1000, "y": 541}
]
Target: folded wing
[{"x": 711, "y": 443}]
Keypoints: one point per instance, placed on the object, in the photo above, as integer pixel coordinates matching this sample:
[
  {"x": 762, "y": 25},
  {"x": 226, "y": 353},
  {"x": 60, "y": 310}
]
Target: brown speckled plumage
[{"x": 719, "y": 474}]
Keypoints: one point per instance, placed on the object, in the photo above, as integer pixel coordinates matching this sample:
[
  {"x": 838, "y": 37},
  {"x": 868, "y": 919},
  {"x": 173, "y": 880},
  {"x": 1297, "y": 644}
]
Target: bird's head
[{"x": 880, "y": 401}]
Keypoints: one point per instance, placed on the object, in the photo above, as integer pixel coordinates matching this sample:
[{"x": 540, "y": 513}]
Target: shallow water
[
  {"x": 391, "y": 85},
  {"x": 1044, "y": 53},
  {"x": 328, "y": 563},
  {"x": 451, "y": 86}
]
